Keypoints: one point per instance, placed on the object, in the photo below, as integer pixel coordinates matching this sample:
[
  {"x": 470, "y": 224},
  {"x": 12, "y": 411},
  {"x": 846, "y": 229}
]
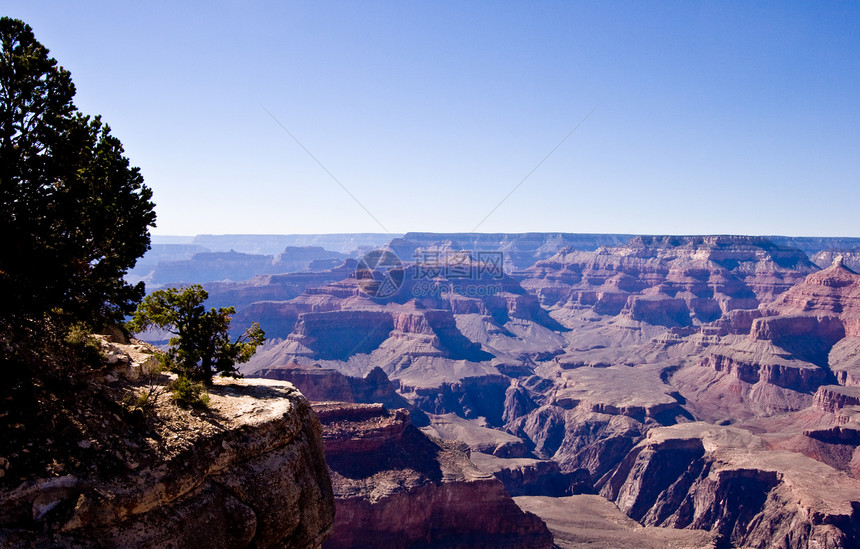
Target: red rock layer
[
  {"x": 830, "y": 398},
  {"x": 834, "y": 292},
  {"x": 395, "y": 488}
]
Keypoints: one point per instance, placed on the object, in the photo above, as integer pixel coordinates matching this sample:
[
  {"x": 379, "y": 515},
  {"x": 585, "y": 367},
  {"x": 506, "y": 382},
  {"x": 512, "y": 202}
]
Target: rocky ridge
[
  {"x": 723, "y": 480},
  {"x": 668, "y": 281},
  {"x": 249, "y": 472}
]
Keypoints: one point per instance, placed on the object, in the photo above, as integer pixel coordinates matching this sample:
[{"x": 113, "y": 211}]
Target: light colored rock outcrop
[{"x": 256, "y": 477}]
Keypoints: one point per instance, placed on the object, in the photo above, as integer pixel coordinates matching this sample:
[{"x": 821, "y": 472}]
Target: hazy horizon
[{"x": 165, "y": 237}]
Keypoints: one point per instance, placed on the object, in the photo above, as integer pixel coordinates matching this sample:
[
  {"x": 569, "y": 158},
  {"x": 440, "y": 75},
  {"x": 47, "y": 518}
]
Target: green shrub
[
  {"x": 139, "y": 401},
  {"x": 189, "y": 393},
  {"x": 82, "y": 344}
]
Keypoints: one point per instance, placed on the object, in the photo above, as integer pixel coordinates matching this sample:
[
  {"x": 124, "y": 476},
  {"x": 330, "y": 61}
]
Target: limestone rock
[{"x": 256, "y": 479}]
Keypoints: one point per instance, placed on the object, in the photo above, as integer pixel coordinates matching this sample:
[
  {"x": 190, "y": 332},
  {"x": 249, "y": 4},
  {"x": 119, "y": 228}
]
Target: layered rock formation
[
  {"x": 529, "y": 476},
  {"x": 161, "y": 251},
  {"x": 274, "y": 287},
  {"x": 208, "y": 266},
  {"x": 803, "y": 339},
  {"x": 844, "y": 361},
  {"x": 520, "y": 249},
  {"x": 419, "y": 341},
  {"x": 237, "y": 266},
  {"x": 741, "y": 378},
  {"x": 297, "y": 252},
  {"x": 669, "y": 281},
  {"x": 813, "y": 245},
  {"x": 831, "y": 398},
  {"x": 723, "y": 480},
  {"x": 396, "y": 488},
  {"x": 480, "y": 437},
  {"x": 253, "y": 476},
  {"x": 833, "y": 292}
]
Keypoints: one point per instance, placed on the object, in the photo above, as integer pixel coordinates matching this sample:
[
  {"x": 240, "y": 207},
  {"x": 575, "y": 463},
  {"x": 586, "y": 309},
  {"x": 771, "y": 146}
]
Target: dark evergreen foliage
[
  {"x": 75, "y": 215},
  {"x": 201, "y": 346}
]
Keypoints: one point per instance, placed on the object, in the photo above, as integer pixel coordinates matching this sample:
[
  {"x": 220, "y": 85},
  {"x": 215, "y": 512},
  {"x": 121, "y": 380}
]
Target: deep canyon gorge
[{"x": 704, "y": 383}]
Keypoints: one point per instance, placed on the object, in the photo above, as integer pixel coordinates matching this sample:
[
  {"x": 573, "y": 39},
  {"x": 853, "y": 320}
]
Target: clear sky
[{"x": 714, "y": 117}]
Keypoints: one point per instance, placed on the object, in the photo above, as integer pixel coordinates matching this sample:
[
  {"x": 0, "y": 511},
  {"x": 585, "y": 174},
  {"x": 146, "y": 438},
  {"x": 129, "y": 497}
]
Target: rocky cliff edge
[{"x": 249, "y": 471}]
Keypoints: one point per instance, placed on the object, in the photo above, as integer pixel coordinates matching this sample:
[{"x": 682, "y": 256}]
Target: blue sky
[{"x": 714, "y": 117}]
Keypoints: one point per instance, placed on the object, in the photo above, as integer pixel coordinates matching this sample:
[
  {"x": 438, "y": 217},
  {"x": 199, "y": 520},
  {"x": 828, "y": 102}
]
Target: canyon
[{"x": 706, "y": 388}]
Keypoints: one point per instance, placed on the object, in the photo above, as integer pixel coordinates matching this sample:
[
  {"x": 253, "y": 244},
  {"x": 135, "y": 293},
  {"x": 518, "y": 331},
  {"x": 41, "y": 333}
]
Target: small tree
[{"x": 200, "y": 346}]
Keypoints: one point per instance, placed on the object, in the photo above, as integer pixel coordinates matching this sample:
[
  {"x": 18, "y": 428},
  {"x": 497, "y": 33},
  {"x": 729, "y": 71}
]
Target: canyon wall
[
  {"x": 396, "y": 488},
  {"x": 254, "y": 478},
  {"x": 724, "y": 480}
]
